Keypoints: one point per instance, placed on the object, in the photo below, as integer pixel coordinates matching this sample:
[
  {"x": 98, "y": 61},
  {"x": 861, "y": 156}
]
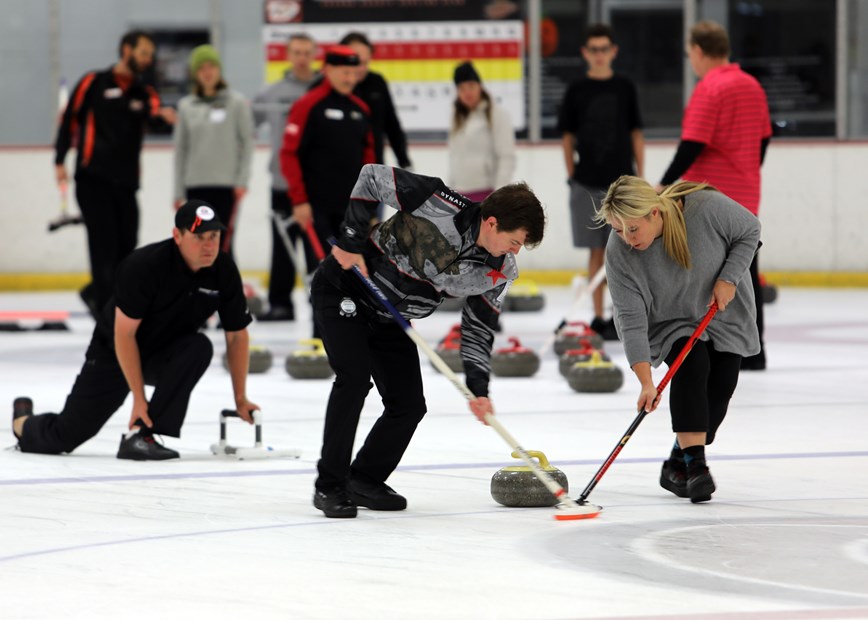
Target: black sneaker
[
  {"x": 335, "y": 503},
  {"x": 375, "y": 495},
  {"x": 673, "y": 477},
  {"x": 21, "y": 407},
  {"x": 141, "y": 446},
  {"x": 606, "y": 329},
  {"x": 700, "y": 484}
]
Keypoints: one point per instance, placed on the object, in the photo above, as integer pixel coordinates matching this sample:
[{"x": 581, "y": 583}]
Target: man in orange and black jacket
[{"x": 105, "y": 120}]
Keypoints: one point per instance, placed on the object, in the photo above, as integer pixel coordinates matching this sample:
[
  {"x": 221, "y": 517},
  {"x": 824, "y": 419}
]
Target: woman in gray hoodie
[
  {"x": 670, "y": 256},
  {"x": 213, "y": 139}
]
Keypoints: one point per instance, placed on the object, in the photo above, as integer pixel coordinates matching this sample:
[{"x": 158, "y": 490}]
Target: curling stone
[
  {"x": 572, "y": 334},
  {"x": 524, "y": 296},
  {"x": 309, "y": 363},
  {"x": 518, "y": 486},
  {"x": 260, "y": 360},
  {"x": 451, "y": 304},
  {"x": 449, "y": 350},
  {"x": 514, "y": 361},
  {"x": 595, "y": 375},
  {"x": 254, "y": 301},
  {"x": 581, "y": 354}
]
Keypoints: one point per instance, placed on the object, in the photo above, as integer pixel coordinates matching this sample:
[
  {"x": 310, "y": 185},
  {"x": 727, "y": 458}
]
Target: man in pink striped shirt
[{"x": 724, "y": 135}]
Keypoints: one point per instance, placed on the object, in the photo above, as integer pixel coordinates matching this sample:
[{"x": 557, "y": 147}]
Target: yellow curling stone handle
[
  {"x": 596, "y": 361},
  {"x": 317, "y": 351},
  {"x": 534, "y": 454}
]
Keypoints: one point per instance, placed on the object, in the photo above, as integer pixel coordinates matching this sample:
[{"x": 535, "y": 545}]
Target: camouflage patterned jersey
[{"x": 424, "y": 253}]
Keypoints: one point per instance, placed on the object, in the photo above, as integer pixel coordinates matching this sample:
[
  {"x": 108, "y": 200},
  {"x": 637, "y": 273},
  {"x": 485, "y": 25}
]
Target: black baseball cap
[{"x": 197, "y": 216}]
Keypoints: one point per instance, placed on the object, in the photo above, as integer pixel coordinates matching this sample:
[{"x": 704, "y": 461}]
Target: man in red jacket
[
  {"x": 105, "y": 120},
  {"x": 328, "y": 138}
]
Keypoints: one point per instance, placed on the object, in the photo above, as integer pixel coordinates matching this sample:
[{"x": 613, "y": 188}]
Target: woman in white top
[
  {"x": 213, "y": 142},
  {"x": 481, "y": 139}
]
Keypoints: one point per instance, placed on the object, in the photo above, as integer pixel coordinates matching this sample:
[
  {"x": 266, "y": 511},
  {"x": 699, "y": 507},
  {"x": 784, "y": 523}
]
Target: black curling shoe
[
  {"x": 141, "y": 446},
  {"x": 21, "y": 408},
  {"x": 335, "y": 503},
  {"x": 673, "y": 478},
  {"x": 375, "y": 495},
  {"x": 700, "y": 484}
]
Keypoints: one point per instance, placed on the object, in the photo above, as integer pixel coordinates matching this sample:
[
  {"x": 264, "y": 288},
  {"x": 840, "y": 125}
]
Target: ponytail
[{"x": 631, "y": 198}]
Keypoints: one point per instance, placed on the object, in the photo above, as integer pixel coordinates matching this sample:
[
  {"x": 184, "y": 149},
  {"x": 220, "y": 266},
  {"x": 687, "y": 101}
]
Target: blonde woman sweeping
[{"x": 669, "y": 257}]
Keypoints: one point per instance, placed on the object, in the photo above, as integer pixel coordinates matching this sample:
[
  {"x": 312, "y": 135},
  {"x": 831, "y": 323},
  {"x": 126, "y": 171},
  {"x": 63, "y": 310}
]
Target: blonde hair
[{"x": 632, "y": 198}]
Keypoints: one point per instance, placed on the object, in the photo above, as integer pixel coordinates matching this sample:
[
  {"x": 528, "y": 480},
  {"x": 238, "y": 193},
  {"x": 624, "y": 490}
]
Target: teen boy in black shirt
[
  {"x": 149, "y": 334},
  {"x": 600, "y": 121}
]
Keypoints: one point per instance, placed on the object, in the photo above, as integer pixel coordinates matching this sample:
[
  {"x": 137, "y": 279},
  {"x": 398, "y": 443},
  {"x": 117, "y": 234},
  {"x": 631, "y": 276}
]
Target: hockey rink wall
[{"x": 814, "y": 208}]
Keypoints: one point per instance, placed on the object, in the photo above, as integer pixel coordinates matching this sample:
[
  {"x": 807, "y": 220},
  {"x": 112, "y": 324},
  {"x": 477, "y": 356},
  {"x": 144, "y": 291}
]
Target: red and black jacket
[
  {"x": 328, "y": 138},
  {"x": 105, "y": 120}
]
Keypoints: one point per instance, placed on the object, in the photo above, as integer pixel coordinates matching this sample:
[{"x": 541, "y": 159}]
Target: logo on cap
[{"x": 203, "y": 214}]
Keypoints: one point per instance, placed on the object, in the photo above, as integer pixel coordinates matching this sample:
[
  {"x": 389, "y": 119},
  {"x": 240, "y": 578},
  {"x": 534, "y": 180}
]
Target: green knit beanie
[{"x": 201, "y": 54}]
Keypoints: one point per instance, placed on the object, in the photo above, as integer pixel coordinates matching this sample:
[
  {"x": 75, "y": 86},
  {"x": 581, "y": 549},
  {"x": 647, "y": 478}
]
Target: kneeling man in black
[{"x": 148, "y": 333}]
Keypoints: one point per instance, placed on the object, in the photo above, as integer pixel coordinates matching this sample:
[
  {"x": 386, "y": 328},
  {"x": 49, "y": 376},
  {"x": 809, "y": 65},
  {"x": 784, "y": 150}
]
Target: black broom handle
[{"x": 642, "y": 413}]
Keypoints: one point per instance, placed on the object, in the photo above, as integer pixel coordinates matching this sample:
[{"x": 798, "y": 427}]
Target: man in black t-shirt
[
  {"x": 148, "y": 333},
  {"x": 599, "y": 119}
]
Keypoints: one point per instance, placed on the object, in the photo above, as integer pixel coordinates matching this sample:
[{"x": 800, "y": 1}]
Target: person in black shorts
[
  {"x": 599, "y": 119},
  {"x": 148, "y": 333}
]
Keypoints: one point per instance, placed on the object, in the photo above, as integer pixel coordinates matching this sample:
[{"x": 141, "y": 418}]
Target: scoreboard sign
[{"x": 418, "y": 60}]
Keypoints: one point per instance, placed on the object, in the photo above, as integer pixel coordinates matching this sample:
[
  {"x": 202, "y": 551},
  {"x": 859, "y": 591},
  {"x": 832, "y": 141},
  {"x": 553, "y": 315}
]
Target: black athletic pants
[
  {"x": 222, "y": 198},
  {"x": 702, "y": 388},
  {"x": 361, "y": 346},
  {"x": 111, "y": 216},
  {"x": 100, "y": 389},
  {"x": 758, "y": 298},
  {"x": 283, "y": 271}
]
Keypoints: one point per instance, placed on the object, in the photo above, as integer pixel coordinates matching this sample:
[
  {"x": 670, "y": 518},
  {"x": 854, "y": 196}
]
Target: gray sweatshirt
[
  {"x": 657, "y": 301},
  {"x": 272, "y": 106},
  {"x": 213, "y": 142}
]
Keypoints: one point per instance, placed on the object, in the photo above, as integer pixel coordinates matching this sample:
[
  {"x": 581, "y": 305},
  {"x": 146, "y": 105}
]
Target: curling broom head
[{"x": 573, "y": 511}]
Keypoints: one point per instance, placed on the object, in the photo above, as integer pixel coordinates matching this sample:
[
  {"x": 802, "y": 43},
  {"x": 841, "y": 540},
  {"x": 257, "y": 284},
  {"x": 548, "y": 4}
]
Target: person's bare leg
[
  {"x": 687, "y": 440},
  {"x": 18, "y": 425},
  {"x": 598, "y": 255}
]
